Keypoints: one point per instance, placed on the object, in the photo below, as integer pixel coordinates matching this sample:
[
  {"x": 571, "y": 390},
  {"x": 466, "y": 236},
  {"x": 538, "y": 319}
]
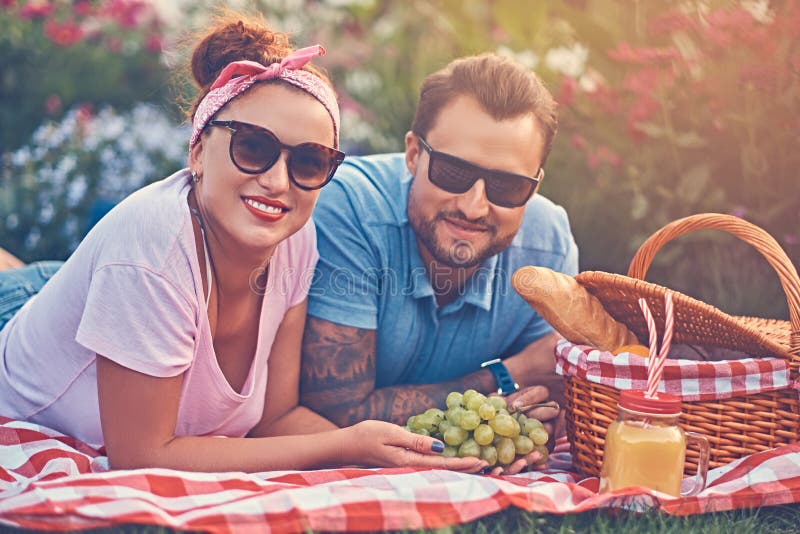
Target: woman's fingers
[{"x": 415, "y": 442}]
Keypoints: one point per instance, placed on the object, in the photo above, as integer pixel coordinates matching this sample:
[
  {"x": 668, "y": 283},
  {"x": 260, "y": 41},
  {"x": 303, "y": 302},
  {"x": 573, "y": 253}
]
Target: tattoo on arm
[{"x": 337, "y": 378}]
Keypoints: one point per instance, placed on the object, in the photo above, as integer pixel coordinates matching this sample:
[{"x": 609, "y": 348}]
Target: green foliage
[
  {"x": 56, "y": 54},
  {"x": 57, "y": 185},
  {"x": 667, "y": 108}
]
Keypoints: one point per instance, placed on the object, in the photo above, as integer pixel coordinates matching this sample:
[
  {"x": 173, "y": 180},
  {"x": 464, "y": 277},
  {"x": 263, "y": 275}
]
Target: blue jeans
[{"x": 17, "y": 286}]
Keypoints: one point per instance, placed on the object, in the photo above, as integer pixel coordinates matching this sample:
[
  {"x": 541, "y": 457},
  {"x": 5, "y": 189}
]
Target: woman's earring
[{"x": 195, "y": 177}]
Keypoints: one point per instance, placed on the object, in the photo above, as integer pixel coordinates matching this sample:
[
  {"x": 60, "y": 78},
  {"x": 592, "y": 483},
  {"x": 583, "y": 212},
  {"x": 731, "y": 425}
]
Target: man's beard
[{"x": 461, "y": 254}]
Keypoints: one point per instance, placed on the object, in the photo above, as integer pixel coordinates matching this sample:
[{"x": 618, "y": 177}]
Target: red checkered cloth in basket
[
  {"x": 692, "y": 380},
  {"x": 49, "y": 481}
]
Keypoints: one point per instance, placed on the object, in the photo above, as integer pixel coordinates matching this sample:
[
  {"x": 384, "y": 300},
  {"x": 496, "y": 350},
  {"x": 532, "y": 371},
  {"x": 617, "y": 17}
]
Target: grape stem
[{"x": 550, "y": 404}]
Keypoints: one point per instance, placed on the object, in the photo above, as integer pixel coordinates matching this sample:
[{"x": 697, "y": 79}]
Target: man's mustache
[{"x": 480, "y": 221}]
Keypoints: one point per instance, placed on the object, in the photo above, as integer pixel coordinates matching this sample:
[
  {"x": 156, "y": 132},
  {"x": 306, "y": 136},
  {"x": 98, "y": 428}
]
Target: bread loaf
[{"x": 570, "y": 309}]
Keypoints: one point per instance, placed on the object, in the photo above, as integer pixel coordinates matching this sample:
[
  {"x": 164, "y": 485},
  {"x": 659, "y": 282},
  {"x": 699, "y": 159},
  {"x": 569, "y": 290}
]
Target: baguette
[{"x": 570, "y": 309}]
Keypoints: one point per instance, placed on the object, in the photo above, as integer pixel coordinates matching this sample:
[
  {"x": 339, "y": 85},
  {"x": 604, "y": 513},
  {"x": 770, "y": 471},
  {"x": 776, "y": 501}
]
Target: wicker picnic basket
[{"x": 735, "y": 427}]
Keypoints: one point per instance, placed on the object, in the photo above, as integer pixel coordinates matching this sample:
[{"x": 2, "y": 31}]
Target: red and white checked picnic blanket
[
  {"x": 49, "y": 481},
  {"x": 690, "y": 379}
]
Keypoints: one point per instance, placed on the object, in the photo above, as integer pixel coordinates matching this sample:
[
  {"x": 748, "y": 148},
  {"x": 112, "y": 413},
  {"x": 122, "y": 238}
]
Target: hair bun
[{"x": 233, "y": 37}]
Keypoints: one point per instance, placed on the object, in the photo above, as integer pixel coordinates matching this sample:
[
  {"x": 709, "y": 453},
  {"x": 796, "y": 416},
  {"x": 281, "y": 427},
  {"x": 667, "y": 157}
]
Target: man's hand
[{"x": 534, "y": 402}]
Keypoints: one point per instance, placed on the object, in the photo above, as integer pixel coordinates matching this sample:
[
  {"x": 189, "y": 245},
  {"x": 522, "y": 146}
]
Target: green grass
[{"x": 775, "y": 519}]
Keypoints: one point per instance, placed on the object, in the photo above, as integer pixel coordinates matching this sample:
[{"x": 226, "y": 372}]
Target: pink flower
[
  {"x": 625, "y": 53},
  {"x": 609, "y": 156},
  {"x": 7, "y": 3},
  {"x": 128, "y": 13},
  {"x": 83, "y": 8},
  {"x": 52, "y": 104},
  {"x": 643, "y": 109},
  {"x": 84, "y": 113},
  {"x": 65, "y": 33},
  {"x": 37, "y": 9},
  {"x": 647, "y": 81},
  {"x": 578, "y": 141},
  {"x": 671, "y": 22},
  {"x": 153, "y": 43},
  {"x": 567, "y": 91}
]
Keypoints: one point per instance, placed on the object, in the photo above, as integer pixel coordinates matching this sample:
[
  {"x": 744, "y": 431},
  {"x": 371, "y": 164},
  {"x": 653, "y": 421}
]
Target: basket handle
[{"x": 747, "y": 232}]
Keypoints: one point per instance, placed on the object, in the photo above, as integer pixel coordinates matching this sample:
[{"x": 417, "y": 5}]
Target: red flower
[
  {"x": 66, "y": 33},
  {"x": 52, "y": 104},
  {"x": 36, "y": 10}
]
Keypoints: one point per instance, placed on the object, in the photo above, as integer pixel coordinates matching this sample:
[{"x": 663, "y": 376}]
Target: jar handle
[{"x": 702, "y": 463}]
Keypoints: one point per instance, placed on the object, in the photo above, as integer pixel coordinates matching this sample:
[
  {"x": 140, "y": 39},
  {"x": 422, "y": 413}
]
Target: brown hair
[
  {"x": 503, "y": 87},
  {"x": 234, "y": 36}
]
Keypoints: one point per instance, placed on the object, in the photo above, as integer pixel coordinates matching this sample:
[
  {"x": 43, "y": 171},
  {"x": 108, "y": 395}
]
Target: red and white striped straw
[
  {"x": 651, "y": 328},
  {"x": 656, "y": 365}
]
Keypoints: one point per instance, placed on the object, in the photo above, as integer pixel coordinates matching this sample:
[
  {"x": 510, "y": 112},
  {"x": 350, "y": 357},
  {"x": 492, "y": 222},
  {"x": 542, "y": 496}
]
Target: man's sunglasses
[
  {"x": 254, "y": 149},
  {"x": 457, "y": 176}
]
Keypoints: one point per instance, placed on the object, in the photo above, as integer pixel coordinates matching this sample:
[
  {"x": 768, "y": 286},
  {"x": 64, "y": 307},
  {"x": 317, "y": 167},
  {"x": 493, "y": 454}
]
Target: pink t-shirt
[{"x": 132, "y": 292}]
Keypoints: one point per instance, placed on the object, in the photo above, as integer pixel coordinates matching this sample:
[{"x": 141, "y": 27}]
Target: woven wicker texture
[{"x": 734, "y": 427}]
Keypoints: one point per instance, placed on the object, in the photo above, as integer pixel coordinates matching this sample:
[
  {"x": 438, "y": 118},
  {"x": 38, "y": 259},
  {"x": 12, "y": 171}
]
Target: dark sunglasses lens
[
  {"x": 254, "y": 151},
  {"x": 450, "y": 175},
  {"x": 310, "y": 164},
  {"x": 508, "y": 190}
]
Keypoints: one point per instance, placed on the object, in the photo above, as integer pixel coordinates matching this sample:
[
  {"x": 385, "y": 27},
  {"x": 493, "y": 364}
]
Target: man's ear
[
  {"x": 196, "y": 157},
  {"x": 412, "y": 152},
  {"x": 541, "y": 179}
]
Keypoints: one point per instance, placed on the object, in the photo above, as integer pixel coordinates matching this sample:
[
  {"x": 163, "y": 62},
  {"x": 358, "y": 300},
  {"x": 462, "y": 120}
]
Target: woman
[{"x": 179, "y": 317}]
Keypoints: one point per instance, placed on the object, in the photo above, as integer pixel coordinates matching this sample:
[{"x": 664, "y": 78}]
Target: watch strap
[{"x": 505, "y": 384}]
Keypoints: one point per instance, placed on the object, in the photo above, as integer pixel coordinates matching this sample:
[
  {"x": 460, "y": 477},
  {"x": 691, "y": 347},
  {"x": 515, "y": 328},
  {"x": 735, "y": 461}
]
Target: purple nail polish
[{"x": 437, "y": 446}]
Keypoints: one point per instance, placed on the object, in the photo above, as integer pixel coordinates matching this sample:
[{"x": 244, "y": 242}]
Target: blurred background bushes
[{"x": 667, "y": 109}]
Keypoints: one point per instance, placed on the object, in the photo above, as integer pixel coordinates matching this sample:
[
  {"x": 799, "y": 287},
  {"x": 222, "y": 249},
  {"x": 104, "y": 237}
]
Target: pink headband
[{"x": 239, "y": 76}]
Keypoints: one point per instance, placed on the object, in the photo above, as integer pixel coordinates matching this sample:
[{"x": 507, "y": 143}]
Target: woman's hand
[
  {"x": 548, "y": 412},
  {"x": 380, "y": 444}
]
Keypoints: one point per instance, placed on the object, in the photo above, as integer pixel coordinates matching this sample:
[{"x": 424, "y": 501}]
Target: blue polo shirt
[{"x": 370, "y": 275}]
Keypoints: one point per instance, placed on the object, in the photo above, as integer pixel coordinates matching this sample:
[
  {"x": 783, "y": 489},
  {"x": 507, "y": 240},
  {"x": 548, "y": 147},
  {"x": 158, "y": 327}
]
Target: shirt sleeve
[
  {"x": 345, "y": 285},
  {"x": 138, "y": 319},
  {"x": 306, "y": 262}
]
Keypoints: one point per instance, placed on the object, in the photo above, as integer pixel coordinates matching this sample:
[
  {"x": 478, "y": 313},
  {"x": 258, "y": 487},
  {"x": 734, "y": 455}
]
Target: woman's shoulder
[{"x": 149, "y": 228}]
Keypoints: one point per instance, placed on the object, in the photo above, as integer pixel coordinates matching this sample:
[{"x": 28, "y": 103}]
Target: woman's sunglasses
[
  {"x": 457, "y": 176},
  {"x": 254, "y": 149}
]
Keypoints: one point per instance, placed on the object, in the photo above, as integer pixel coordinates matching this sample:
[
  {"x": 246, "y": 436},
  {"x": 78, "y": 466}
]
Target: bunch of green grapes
[{"x": 480, "y": 426}]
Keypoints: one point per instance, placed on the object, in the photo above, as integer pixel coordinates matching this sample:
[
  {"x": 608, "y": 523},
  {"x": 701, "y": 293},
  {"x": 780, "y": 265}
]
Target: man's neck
[{"x": 447, "y": 282}]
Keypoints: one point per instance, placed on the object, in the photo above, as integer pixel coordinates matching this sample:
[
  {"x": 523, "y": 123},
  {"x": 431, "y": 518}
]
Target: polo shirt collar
[{"x": 477, "y": 291}]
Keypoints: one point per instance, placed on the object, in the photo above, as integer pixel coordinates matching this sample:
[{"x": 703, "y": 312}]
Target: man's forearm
[{"x": 397, "y": 403}]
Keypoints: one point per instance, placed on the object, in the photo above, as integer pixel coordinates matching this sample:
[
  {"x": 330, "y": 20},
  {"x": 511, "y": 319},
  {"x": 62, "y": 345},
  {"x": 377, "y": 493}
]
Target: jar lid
[{"x": 661, "y": 404}]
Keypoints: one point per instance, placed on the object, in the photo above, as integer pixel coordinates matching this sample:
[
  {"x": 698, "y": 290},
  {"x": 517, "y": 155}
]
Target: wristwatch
[{"x": 505, "y": 384}]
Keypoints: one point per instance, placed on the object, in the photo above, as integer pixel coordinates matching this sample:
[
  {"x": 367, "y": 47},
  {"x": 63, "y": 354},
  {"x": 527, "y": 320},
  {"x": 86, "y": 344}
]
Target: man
[{"x": 413, "y": 291}]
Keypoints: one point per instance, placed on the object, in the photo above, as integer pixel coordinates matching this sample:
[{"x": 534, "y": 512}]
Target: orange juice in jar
[{"x": 646, "y": 447}]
